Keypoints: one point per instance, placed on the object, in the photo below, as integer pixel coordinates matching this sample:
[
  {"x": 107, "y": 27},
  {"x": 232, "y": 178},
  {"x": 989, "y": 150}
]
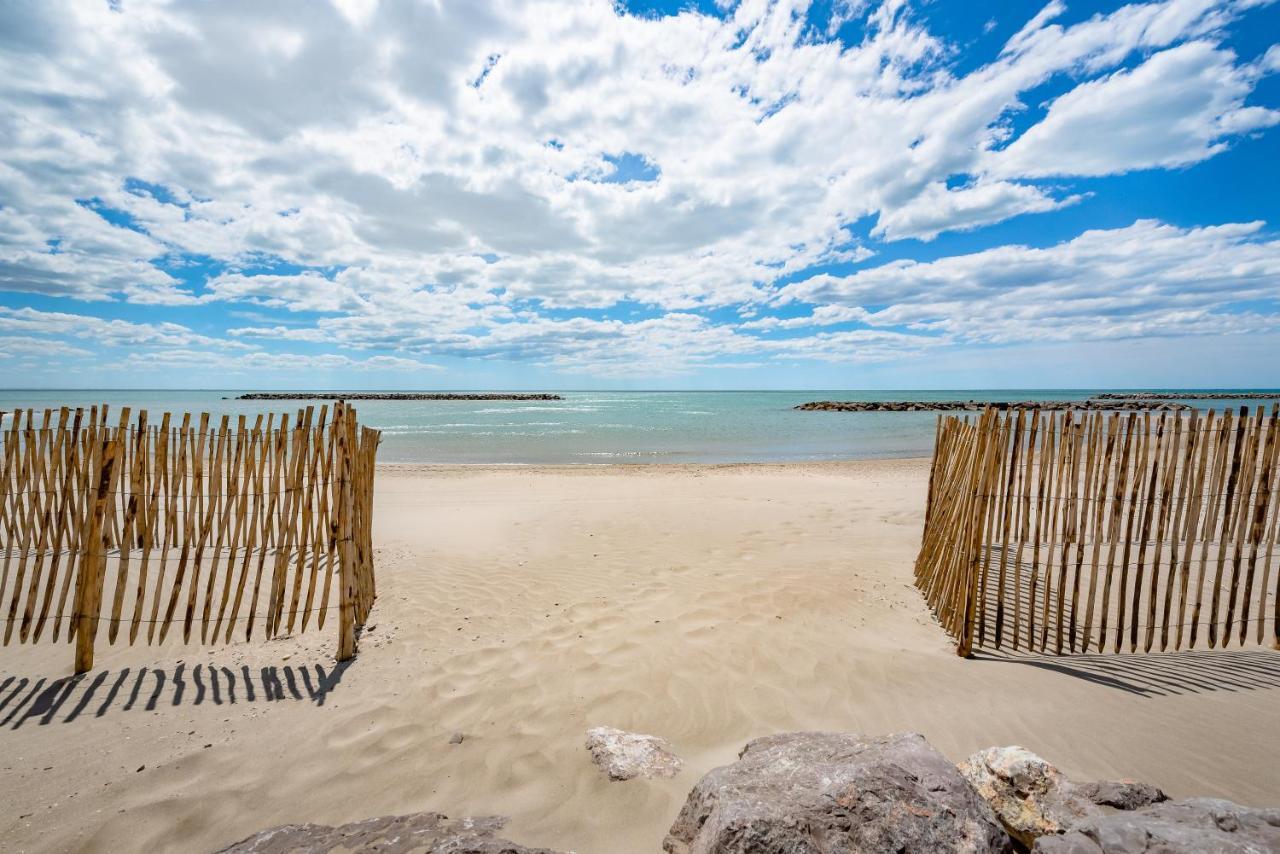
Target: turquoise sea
[{"x": 607, "y": 426}]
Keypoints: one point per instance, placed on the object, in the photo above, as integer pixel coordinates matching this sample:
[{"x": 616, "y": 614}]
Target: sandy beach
[{"x": 520, "y": 606}]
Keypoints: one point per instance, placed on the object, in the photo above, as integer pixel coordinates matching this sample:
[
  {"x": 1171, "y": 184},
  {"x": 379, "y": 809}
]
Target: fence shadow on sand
[
  {"x": 1198, "y": 671},
  {"x": 26, "y": 701}
]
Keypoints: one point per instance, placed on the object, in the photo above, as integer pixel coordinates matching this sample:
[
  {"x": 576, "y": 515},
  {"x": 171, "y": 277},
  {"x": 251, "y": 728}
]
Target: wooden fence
[
  {"x": 1092, "y": 530},
  {"x": 172, "y": 525}
]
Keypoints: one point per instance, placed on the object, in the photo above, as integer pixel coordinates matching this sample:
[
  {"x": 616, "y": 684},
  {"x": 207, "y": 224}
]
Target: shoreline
[{"x": 657, "y": 468}]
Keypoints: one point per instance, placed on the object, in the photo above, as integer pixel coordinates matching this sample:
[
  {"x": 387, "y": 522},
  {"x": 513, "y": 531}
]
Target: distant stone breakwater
[
  {"x": 372, "y": 395},
  {"x": 1157, "y": 405},
  {"x": 1195, "y": 395}
]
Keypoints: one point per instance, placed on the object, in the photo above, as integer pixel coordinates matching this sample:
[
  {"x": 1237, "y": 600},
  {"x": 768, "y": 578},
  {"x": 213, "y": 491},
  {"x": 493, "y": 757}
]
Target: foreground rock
[
  {"x": 374, "y": 395},
  {"x": 1122, "y": 795},
  {"x": 1193, "y": 825},
  {"x": 422, "y": 833},
  {"x": 1030, "y": 797},
  {"x": 627, "y": 755},
  {"x": 1153, "y": 404},
  {"x": 835, "y": 793},
  {"x": 1033, "y": 799}
]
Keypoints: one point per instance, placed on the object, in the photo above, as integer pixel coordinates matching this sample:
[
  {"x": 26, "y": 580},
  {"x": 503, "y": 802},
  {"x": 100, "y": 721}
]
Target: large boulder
[
  {"x": 1030, "y": 797},
  {"x": 1194, "y": 825},
  {"x": 835, "y": 793},
  {"x": 625, "y": 755},
  {"x": 420, "y": 833}
]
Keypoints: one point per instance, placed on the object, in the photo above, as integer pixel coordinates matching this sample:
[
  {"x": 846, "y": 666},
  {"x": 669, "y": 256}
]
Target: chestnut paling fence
[
  {"x": 206, "y": 529},
  {"x": 1104, "y": 531}
]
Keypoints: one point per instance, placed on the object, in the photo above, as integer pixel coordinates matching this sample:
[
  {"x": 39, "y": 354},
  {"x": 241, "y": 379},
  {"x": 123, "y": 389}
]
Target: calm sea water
[{"x": 605, "y": 426}]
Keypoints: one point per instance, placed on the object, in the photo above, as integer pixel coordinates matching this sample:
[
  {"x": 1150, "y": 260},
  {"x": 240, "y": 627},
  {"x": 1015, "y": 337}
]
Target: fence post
[
  {"x": 977, "y": 514},
  {"x": 347, "y": 577},
  {"x": 93, "y": 564}
]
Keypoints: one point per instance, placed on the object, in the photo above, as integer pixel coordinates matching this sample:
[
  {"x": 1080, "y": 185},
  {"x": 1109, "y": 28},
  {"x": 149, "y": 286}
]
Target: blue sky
[{"x": 571, "y": 194}]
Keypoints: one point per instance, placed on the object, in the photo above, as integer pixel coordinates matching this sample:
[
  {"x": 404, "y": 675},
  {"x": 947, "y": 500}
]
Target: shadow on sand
[
  {"x": 30, "y": 700},
  {"x": 1197, "y": 671}
]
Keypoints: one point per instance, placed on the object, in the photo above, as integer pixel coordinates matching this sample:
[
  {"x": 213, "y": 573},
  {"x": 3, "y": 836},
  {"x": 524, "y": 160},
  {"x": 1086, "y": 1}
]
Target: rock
[
  {"x": 626, "y": 755},
  {"x": 1031, "y": 797},
  {"x": 456, "y": 738},
  {"x": 1193, "y": 825},
  {"x": 1094, "y": 403},
  {"x": 1187, "y": 395},
  {"x": 835, "y": 793},
  {"x": 425, "y": 832},
  {"x": 1121, "y": 794}
]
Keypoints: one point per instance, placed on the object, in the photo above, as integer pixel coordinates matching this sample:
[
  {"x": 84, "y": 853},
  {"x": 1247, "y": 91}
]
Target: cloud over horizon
[{"x": 404, "y": 192}]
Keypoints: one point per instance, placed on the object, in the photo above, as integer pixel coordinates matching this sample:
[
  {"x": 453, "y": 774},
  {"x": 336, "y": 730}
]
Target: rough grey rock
[
  {"x": 1194, "y": 825},
  {"x": 1121, "y": 794},
  {"x": 1184, "y": 395},
  {"x": 980, "y": 405},
  {"x": 1030, "y": 797},
  {"x": 835, "y": 793},
  {"x": 626, "y": 755},
  {"x": 420, "y": 833}
]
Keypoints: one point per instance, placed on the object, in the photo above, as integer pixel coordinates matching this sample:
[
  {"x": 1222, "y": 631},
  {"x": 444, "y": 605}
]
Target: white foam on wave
[
  {"x": 537, "y": 409},
  {"x": 623, "y": 454}
]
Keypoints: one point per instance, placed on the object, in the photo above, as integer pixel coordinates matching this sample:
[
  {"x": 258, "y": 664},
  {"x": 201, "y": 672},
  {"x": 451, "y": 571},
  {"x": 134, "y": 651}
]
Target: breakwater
[
  {"x": 1193, "y": 395},
  {"x": 1152, "y": 404}
]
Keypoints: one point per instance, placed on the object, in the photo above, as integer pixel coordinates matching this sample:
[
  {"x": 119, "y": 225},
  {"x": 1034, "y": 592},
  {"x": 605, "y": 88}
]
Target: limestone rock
[
  {"x": 1173, "y": 827},
  {"x": 417, "y": 833},
  {"x": 626, "y": 755},
  {"x": 835, "y": 793},
  {"x": 1121, "y": 794},
  {"x": 1031, "y": 797}
]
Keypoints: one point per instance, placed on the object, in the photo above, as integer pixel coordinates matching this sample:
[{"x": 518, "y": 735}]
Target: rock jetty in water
[
  {"x": 980, "y": 405},
  {"x": 379, "y": 395},
  {"x": 1192, "y": 395}
]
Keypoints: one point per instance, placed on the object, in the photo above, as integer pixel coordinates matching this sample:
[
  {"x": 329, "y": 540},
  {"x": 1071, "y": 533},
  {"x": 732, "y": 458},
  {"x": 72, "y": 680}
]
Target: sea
[{"x": 604, "y": 427}]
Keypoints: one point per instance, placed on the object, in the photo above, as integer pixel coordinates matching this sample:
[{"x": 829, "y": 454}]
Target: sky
[{"x": 436, "y": 194}]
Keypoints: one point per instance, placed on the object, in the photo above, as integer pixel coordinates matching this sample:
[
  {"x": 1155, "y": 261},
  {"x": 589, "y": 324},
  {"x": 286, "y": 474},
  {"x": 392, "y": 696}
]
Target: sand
[{"x": 521, "y": 606}]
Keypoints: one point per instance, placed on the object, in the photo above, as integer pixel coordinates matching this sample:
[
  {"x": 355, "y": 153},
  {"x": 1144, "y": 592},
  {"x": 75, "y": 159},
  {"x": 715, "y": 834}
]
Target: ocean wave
[
  {"x": 427, "y": 431},
  {"x": 623, "y": 454},
  {"x": 492, "y": 424},
  {"x": 644, "y": 428},
  {"x": 537, "y": 409}
]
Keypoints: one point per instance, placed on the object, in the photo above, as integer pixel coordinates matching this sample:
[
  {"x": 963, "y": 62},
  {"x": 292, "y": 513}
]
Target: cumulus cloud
[
  {"x": 938, "y": 209},
  {"x": 441, "y": 179},
  {"x": 1178, "y": 107},
  {"x": 113, "y": 333},
  {"x": 1149, "y": 279}
]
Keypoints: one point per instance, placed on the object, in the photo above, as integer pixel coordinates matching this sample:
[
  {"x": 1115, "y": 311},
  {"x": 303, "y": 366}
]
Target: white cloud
[
  {"x": 937, "y": 209},
  {"x": 100, "y": 332},
  {"x": 1148, "y": 279},
  {"x": 431, "y": 174},
  {"x": 1178, "y": 107},
  {"x": 259, "y": 363},
  {"x": 16, "y": 347}
]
